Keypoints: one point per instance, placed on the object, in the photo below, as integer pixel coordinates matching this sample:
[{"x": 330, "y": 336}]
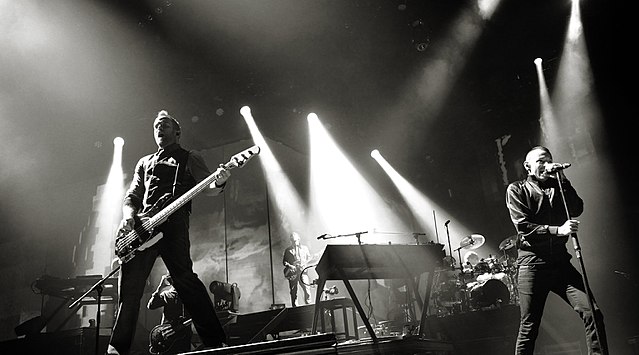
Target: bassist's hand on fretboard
[{"x": 221, "y": 175}]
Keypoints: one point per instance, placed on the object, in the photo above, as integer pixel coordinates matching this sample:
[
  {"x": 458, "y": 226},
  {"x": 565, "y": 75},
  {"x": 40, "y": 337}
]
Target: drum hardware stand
[
  {"x": 577, "y": 247},
  {"x": 98, "y": 287},
  {"x": 512, "y": 279},
  {"x": 461, "y": 265}
]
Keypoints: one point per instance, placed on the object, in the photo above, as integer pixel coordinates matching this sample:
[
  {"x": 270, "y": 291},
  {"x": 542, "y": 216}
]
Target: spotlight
[
  {"x": 245, "y": 111},
  {"x": 118, "y": 141},
  {"x": 332, "y": 291}
]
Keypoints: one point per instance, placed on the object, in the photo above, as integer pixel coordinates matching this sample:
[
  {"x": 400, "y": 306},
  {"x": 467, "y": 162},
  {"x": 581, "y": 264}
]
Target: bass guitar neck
[{"x": 128, "y": 243}]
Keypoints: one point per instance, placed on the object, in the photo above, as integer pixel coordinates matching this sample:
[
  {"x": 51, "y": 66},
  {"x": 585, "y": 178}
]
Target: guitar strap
[
  {"x": 187, "y": 179},
  {"x": 183, "y": 179}
]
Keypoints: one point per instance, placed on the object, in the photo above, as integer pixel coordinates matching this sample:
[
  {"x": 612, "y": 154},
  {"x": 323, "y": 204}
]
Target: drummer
[{"x": 470, "y": 260}]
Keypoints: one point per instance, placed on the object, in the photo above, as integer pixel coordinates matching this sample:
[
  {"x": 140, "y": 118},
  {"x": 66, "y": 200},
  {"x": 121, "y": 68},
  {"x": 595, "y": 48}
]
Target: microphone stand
[
  {"x": 357, "y": 234},
  {"x": 98, "y": 287},
  {"x": 577, "y": 247},
  {"x": 450, "y": 251}
]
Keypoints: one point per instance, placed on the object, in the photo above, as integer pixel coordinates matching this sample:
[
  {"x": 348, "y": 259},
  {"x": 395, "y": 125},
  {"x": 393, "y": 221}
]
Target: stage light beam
[{"x": 342, "y": 201}]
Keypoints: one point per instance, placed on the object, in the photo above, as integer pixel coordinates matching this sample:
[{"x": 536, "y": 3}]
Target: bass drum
[{"x": 489, "y": 293}]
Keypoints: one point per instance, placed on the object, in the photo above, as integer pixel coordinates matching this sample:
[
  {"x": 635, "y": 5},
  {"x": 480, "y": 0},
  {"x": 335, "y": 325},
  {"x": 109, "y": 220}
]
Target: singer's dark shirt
[
  {"x": 536, "y": 209},
  {"x": 155, "y": 175}
]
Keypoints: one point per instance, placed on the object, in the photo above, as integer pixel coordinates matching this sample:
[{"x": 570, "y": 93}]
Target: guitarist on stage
[
  {"x": 174, "y": 335},
  {"x": 172, "y": 169},
  {"x": 296, "y": 256}
]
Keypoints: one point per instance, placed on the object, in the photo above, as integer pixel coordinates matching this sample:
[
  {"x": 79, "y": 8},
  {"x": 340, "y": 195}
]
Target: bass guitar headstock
[{"x": 238, "y": 160}]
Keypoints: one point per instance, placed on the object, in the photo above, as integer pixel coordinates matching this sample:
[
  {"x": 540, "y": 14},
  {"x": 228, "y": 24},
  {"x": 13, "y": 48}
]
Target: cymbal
[
  {"x": 472, "y": 241},
  {"x": 508, "y": 242}
]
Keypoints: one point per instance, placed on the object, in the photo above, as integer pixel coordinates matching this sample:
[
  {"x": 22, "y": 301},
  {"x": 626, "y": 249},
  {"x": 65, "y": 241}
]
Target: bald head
[{"x": 536, "y": 160}]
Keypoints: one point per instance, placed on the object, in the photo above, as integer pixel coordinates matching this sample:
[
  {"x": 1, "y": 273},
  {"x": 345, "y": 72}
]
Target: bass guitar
[
  {"x": 143, "y": 234},
  {"x": 291, "y": 271},
  {"x": 163, "y": 336}
]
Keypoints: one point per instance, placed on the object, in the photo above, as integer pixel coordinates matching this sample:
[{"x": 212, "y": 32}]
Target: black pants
[
  {"x": 174, "y": 248},
  {"x": 534, "y": 284},
  {"x": 303, "y": 281}
]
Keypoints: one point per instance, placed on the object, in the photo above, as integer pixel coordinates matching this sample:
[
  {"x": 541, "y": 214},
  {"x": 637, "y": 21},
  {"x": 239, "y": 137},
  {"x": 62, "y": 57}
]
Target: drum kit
[{"x": 477, "y": 284}]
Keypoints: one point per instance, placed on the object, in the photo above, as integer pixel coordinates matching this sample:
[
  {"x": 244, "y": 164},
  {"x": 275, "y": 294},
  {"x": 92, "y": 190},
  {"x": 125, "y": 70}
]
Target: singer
[{"x": 543, "y": 262}]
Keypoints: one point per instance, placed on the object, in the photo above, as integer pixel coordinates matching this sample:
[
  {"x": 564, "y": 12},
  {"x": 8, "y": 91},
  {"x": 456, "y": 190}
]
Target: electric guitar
[
  {"x": 291, "y": 271},
  {"x": 163, "y": 336},
  {"x": 143, "y": 234}
]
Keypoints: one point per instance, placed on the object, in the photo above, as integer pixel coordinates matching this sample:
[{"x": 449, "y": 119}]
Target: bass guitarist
[
  {"x": 174, "y": 170},
  {"x": 296, "y": 257}
]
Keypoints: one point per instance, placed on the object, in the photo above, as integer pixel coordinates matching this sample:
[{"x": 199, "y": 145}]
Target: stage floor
[{"x": 328, "y": 344}]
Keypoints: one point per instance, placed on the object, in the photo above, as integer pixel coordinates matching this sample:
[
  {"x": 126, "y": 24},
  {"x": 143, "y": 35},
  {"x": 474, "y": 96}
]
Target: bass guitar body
[
  {"x": 142, "y": 236},
  {"x": 292, "y": 271}
]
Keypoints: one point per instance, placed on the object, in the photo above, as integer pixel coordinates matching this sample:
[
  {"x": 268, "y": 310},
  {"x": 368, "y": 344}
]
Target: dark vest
[{"x": 168, "y": 173}]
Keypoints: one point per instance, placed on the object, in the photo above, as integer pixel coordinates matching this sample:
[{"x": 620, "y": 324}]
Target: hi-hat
[
  {"x": 472, "y": 241},
  {"x": 508, "y": 243}
]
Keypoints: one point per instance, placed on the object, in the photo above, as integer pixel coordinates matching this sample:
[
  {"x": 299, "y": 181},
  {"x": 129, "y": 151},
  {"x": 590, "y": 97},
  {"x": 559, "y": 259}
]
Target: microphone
[
  {"x": 555, "y": 167},
  {"x": 323, "y": 236},
  {"x": 446, "y": 223}
]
